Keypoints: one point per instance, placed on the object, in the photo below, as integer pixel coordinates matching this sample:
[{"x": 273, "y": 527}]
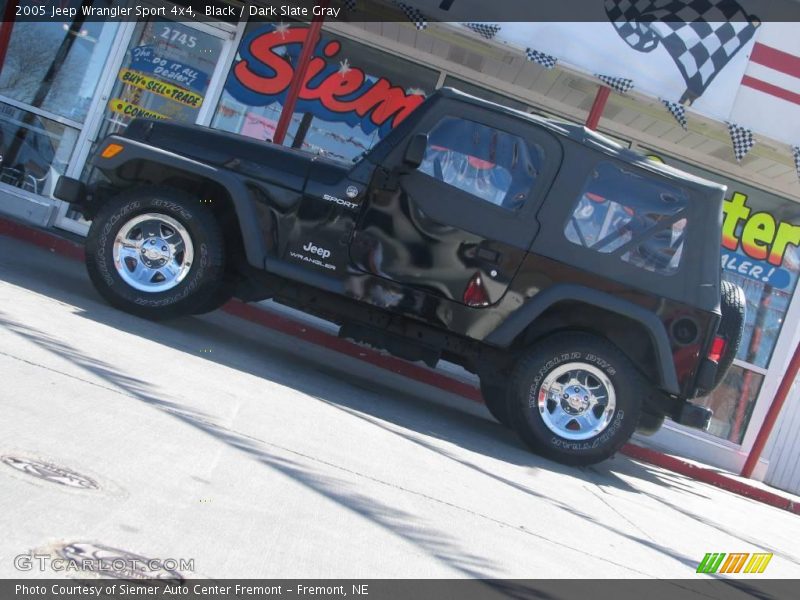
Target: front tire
[
  {"x": 575, "y": 398},
  {"x": 156, "y": 253}
]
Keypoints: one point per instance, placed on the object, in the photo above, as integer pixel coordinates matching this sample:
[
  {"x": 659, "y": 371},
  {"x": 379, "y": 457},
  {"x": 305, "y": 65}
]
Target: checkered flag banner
[
  {"x": 796, "y": 154},
  {"x": 412, "y": 14},
  {"x": 619, "y": 84},
  {"x": 349, "y": 5},
  {"x": 742, "y": 139},
  {"x": 701, "y": 36},
  {"x": 545, "y": 60},
  {"x": 485, "y": 30},
  {"x": 678, "y": 111}
]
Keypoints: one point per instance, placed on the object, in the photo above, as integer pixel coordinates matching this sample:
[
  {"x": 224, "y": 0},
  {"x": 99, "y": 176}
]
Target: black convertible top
[{"x": 587, "y": 137}]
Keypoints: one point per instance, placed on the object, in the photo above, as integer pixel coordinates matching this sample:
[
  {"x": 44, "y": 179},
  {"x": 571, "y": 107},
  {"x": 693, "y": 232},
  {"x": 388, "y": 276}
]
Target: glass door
[
  {"x": 49, "y": 76},
  {"x": 166, "y": 72}
]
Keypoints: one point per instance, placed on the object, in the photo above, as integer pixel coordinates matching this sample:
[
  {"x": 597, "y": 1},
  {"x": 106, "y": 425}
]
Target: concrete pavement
[{"x": 261, "y": 455}]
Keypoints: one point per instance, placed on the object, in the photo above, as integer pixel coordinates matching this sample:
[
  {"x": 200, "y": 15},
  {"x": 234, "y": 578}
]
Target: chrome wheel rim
[
  {"x": 576, "y": 401},
  {"x": 153, "y": 253}
]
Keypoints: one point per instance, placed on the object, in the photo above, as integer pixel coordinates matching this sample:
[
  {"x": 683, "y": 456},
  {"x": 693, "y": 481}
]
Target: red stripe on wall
[
  {"x": 772, "y": 90},
  {"x": 776, "y": 59}
]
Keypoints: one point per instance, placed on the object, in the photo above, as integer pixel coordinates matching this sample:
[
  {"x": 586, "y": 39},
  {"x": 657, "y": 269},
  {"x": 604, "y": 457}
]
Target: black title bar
[{"x": 415, "y": 12}]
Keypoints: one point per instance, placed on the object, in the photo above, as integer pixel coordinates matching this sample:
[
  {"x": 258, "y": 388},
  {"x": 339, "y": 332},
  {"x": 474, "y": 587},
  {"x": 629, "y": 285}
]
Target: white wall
[{"x": 783, "y": 448}]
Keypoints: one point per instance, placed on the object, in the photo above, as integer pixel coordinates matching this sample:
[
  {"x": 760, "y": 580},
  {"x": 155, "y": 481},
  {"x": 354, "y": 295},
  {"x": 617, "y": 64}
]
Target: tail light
[
  {"x": 717, "y": 348},
  {"x": 475, "y": 294}
]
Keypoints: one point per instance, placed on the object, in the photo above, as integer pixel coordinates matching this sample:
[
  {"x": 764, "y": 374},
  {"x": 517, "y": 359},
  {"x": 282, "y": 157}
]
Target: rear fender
[{"x": 518, "y": 322}]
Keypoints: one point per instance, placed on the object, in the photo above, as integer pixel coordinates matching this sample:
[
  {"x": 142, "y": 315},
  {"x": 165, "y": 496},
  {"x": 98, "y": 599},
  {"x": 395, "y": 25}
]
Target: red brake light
[
  {"x": 717, "y": 348},
  {"x": 475, "y": 294}
]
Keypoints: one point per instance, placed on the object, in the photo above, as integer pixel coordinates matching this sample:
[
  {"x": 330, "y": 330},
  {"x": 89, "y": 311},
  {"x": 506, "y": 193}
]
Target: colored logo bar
[{"x": 734, "y": 562}]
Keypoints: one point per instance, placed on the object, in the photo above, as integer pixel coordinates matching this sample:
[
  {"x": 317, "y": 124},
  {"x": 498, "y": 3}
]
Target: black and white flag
[
  {"x": 545, "y": 60},
  {"x": 413, "y": 14},
  {"x": 619, "y": 84},
  {"x": 485, "y": 30},
  {"x": 349, "y": 5},
  {"x": 701, "y": 36},
  {"x": 678, "y": 111},
  {"x": 742, "y": 140}
]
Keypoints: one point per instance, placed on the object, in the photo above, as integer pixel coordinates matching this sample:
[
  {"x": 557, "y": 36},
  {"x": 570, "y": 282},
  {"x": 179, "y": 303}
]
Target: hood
[{"x": 261, "y": 160}]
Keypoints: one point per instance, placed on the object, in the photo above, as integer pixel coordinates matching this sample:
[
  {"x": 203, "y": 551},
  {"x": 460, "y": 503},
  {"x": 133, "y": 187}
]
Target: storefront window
[
  {"x": 55, "y": 65},
  {"x": 767, "y": 271},
  {"x": 732, "y": 403},
  {"x": 354, "y": 95},
  {"x": 760, "y": 253},
  {"x": 164, "y": 75},
  {"x": 34, "y": 150},
  {"x": 48, "y": 79}
]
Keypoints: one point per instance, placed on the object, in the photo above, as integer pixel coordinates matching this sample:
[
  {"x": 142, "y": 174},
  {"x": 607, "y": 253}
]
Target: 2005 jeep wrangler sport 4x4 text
[{"x": 579, "y": 280}]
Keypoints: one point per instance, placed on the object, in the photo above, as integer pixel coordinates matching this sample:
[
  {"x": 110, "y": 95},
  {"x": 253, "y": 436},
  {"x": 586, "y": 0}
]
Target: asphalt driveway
[{"x": 255, "y": 454}]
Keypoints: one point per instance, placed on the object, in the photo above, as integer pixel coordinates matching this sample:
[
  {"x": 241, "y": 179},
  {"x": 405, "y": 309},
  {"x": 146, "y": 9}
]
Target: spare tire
[{"x": 733, "y": 304}]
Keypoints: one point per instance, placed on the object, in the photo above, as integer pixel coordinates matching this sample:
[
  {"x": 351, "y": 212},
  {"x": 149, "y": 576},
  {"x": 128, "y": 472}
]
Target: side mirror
[{"x": 415, "y": 151}]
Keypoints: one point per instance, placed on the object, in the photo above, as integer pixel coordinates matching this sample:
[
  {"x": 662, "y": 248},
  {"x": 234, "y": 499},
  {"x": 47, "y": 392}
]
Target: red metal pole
[
  {"x": 772, "y": 414},
  {"x": 598, "y": 106},
  {"x": 299, "y": 77},
  {"x": 5, "y": 30}
]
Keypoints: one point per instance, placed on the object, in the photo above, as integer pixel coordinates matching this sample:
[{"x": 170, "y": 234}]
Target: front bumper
[
  {"x": 72, "y": 191},
  {"x": 86, "y": 199}
]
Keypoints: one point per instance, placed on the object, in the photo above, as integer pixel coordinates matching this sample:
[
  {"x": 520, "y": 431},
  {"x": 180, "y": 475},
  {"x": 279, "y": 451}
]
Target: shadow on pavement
[{"x": 65, "y": 281}]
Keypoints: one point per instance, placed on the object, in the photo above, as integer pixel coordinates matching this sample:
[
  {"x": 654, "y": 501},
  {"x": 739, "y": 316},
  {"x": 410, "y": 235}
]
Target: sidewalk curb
[
  {"x": 711, "y": 477},
  {"x": 73, "y": 250}
]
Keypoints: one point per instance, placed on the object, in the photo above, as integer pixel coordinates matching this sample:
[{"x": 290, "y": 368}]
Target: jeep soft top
[{"x": 578, "y": 279}]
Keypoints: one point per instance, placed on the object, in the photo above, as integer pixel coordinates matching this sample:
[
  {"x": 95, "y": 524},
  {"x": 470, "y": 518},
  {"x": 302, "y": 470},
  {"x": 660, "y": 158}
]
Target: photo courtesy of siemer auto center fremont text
[{"x": 400, "y": 299}]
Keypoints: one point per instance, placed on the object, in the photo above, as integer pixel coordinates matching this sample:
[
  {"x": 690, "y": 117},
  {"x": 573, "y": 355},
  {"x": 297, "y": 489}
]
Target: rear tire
[
  {"x": 649, "y": 424},
  {"x": 494, "y": 397},
  {"x": 733, "y": 304},
  {"x": 154, "y": 252},
  {"x": 575, "y": 398}
]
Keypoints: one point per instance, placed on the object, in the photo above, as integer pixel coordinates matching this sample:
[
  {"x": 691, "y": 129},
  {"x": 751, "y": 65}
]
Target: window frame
[
  {"x": 518, "y": 228},
  {"x": 532, "y": 147},
  {"x": 635, "y": 241}
]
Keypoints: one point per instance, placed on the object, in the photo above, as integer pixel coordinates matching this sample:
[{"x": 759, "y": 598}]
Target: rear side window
[
  {"x": 641, "y": 220},
  {"x": 487, "y": 163}
]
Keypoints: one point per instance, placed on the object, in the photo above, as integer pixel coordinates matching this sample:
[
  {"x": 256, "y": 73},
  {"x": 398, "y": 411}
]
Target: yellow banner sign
[
  {"x": 128, "y": 109},
  {"x": 165, "y": 90}
]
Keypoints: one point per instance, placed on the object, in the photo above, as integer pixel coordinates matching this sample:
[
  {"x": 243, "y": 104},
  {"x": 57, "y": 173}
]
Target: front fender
[{"x": 133, "y": 150}]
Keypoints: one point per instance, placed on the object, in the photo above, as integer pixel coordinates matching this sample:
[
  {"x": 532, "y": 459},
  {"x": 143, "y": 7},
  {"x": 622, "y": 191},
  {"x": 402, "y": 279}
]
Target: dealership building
[{"x": 66, "y": 85}]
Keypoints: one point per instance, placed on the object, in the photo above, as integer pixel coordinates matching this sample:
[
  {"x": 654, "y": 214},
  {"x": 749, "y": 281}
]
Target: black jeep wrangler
[{"x": 579, "y": 280}]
